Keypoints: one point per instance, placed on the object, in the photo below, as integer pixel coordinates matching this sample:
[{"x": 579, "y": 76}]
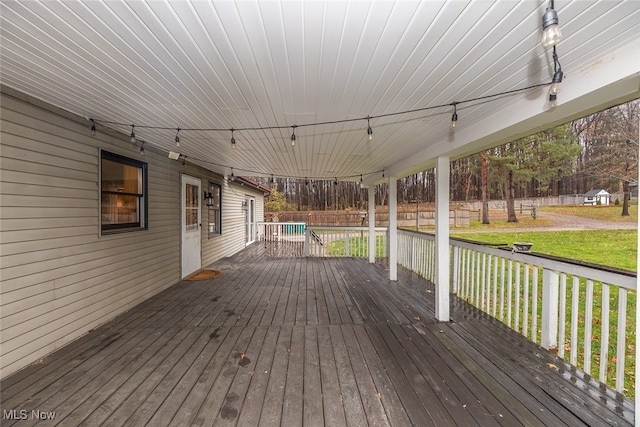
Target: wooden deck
[{"x": 305, "y": 341}]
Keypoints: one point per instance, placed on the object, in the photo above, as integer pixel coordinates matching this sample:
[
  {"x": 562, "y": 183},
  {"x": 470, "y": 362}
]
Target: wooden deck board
[{"x": 295, "y": 341}]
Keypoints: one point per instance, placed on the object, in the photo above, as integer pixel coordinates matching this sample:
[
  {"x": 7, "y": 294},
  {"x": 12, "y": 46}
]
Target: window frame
[
  {"x": 143, "y": 203},
  {"x": 218, "y": 220}
]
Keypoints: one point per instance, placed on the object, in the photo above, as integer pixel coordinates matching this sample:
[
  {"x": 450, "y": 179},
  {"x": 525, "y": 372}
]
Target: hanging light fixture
[
  {"x": 142, "y": 148},
  {"x": 369, "y": 130},
  {"x": 293, "y": 136},
  {"x": 132, "y": 138},
  {"x": 454, "y": 116},
  {"x": 558, "y": 75},
  {"x": 93, "y": 127},
  {"x": 184, "y": 160},
  {"x": 551, "y": 33},
  {"x": 177, "y": 139},
  {"x": 233, "y": 140},
  {"x": 232, "y": 175},
  {"x": 335, "y": 181}
]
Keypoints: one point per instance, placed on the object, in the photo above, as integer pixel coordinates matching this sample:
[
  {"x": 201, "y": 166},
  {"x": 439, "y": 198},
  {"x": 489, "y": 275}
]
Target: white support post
[
  {"x": 372, "y": 224},
  {"x": 393, "y": 228},
  {"x": 550, "y": 301},
  {"x": 442, "y": 239}
]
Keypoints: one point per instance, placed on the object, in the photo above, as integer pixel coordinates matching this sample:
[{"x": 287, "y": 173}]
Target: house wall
[{"x": 58, "y": 277}]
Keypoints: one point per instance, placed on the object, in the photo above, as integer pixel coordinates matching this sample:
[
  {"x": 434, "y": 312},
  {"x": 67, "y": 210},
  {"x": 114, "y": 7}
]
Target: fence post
[
  {"x": 307, "y": 240},
  {"x": 550, "y": 290}
]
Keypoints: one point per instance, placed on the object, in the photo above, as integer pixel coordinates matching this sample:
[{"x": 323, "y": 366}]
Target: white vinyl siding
[{"x": 60, "y": 278}]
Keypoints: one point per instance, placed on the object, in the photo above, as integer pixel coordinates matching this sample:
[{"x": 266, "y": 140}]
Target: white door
[
  {"x": 250, "y": 229},
  {"x": 191, "y": 227}
]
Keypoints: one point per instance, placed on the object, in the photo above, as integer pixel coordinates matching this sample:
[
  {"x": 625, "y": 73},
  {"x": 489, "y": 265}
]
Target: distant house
[{"x": 597, "y": 197}]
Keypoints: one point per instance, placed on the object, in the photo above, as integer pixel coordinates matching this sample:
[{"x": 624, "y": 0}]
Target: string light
[
  {"x": 132, "y": 138},
  {"x": 184, "y": 160},
  {"x": 558, "y": 75},
  {"x": 454, "y": 117},
  {"x": 93, "y": 127},
  {"x": 142, "y": 148},
  {"x": 369, "y": 130},
  {"x": 233, "y": 140},
  {"x": 293, "y": 135},
  {"x": 551, "y": 33}
]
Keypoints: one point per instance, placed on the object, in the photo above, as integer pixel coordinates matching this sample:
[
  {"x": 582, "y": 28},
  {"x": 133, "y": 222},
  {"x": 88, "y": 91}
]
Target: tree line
[{"x": 597, "y": 151}]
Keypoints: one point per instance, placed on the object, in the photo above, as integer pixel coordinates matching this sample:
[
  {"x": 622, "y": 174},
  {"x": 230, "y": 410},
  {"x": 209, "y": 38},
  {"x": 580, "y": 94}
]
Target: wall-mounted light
[
  {"x": 208, "y": 199},
  {"x": 245, "y": 205}
]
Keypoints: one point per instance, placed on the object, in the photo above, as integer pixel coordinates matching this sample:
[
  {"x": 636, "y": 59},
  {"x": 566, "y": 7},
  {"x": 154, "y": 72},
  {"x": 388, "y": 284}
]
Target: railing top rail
[
  {"x": 605, "y": 274},
  {"x": 345, "y": 227},
  {"x": 280, "y": 223},
  {"x": 623, "y": 278}
]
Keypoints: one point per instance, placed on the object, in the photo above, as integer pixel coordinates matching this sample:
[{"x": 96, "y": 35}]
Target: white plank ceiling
[{"x": 276, "y": 64}]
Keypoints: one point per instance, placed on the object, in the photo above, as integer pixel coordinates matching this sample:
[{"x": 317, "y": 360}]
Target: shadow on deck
[{"x": 314, "y": 341}]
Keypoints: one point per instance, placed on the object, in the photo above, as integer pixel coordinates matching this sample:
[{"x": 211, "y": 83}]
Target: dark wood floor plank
[
  {"x": 351, "y": 357},
  {"x": 292, "y": 283},
  {"x": 322, "y": 303},
  {"x": 328, "y": 287},
  {"x": 479, "y": 369},
  {"x": 386, "y": 392},
  {"x": 461, "y": 404},
  {"x": 349, "y": 312},
  {"x": 271, "y": 413},
  {"x": 86, "y": 367},
  {"x": 292, "y": 407},
  {"x": 176, "y": 398},
  {"x": 217, "y": 394},
  {"x": 188, "y": 410},
  {"x": 271, "y": 305},
  {"x": 235, "y": 399},
  {"x": 570, "y": 397},
  {"x": 332, "y": 398},
  {"x": 301, "y": 309},
  {"x": 168, "y": 374},
  {"x": 257, "y": 389},
  {"x": 351, "y": 397},
  {"x": 97, "y": 397},
  {"x": 312, "y": 403},
  {"x": 47, "y": 370},
  {"x": 411, "y": 402},
  {"x": 311, "y": 292}
]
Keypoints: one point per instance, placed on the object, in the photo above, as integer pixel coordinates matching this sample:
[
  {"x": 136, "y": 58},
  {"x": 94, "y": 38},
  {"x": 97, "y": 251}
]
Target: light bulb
[{"x": 551, "y": 33}]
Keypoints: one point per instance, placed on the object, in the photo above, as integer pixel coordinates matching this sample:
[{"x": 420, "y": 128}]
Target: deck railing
[
  {"x": 329, "y": 241},
  {"x": 584, "y": 312},
  {"x": 298, "y": 239}
]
